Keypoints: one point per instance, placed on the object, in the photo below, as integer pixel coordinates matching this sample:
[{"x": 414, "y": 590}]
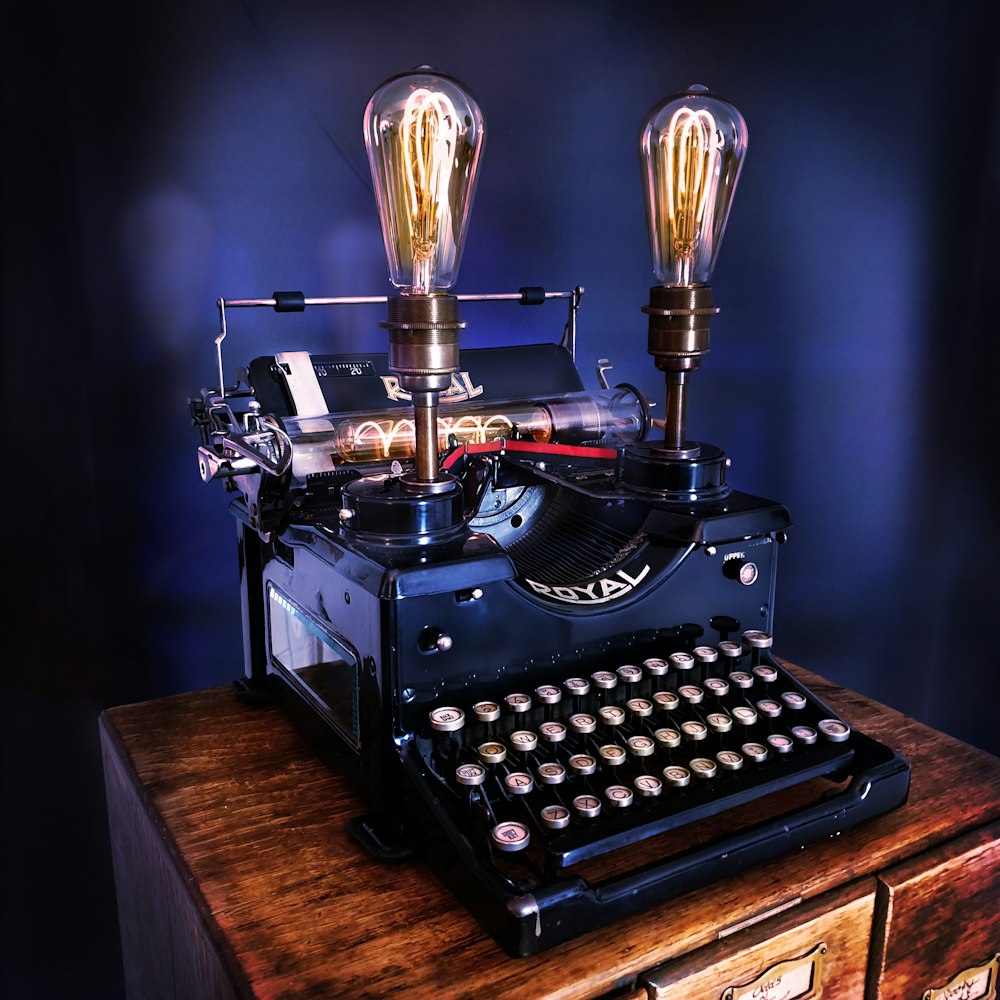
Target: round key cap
[
  {"x": 552, "y": 732},
  {"x": 582, "y": 722},
  {"x": 793, "y": 700},
  {"x": 730, "y": 651},
  {"x": 757, "y": 639},
  {"x": 804, "y": 734},
  {"x": 641, "y": 746},
  {"x": 655, "y": 667},
  {"x": 519, "y": 783},
  {"x": 618, "y": 795},
  {"x": 681, "y": 661},
  {"x": 703, "y": 767},
  {"x": 744, "y": 715},
  {"x": 834, "y": 730},
  {"x": 691, "y": 693},
  {"x": 551, "y": 773},
  {"x": 486, "y": 711},
  {"x": 667, "y": 737},
  {"x": 470, "y": 774},
  {"x": 555, "y": 817},
  {"x": 604, "y": 680},
  {"x": 730, "y": 760},
  {"x": 612, "y": 754},
  {"x": 692, "y": 729},
  {"x": 446, "y": 719},
  {"x": 641, "y": 708},
  {"x": 612, "y": 715},
  {"x": 588, "y": 806},
  {"x": 647, "y": 785},
  {"x": 583, "y": 763},
  {"x": 548, "y": 694},
  {"x": 517, "y": 703},
  {"x": 719, "y": 722},
  {"x": 677, "y": 775},
  {"x": 769, "y": 707},
  {"x": 705, "y": 654},
  {"x": 511, "y": 836},
  {"x": 492, "y": 753},
  {"x": 756, "y": 752},
  {"x": 629, "y": 674},
  {"x": 576, "y": 686},
  {"x": 666, "y": 700},
  {"x": 523, "y": 740},
  {"x": 716, "y": 686},
  {"x": 780, "y": 743},
  {"x": 765, "y": 672},
  {"x": 741, "y": 679}
]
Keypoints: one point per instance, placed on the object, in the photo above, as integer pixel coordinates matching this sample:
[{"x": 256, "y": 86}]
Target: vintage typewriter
[{"x": 538, "y": 617}]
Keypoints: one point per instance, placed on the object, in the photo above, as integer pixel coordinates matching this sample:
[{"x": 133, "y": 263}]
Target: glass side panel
[{"x": 324, "y": 668}]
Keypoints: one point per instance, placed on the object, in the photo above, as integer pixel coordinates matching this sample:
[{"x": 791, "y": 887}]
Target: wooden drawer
[
  {"x": 818, "y": 948},
  {"x": 937, "y": 927}
]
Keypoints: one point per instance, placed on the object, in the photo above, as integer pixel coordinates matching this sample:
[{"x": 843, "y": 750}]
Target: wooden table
[{"x": 236, "y": 878}]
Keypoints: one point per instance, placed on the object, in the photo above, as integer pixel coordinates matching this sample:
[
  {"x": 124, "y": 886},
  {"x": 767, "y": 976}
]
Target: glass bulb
[
  {"x": 692, "y": 147},
  {"x": 424, "y": 134}
]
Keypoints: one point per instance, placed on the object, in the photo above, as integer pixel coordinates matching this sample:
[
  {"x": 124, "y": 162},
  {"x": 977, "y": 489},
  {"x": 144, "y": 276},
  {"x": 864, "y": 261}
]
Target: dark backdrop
[{"x": 158, "y": 156}]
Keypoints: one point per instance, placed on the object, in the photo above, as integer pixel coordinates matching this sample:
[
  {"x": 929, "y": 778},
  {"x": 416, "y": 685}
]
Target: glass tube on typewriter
[{"x": 613, "y": 418}]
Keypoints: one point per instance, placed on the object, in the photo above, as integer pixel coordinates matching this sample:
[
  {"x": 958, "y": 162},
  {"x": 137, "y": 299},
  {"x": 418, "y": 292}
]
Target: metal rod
[
  {"x": 675, "y": 416},
  {"x": 425, "y": 411}
]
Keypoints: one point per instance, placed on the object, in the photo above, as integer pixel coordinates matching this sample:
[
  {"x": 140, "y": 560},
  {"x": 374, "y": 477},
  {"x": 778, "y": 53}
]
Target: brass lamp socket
[
  {"x": 679, "y": 319},
  {"x": 423, "y": 340}
]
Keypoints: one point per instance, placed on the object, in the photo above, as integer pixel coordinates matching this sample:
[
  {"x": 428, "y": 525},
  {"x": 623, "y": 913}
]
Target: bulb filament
[{"x": 429, "y": 132}]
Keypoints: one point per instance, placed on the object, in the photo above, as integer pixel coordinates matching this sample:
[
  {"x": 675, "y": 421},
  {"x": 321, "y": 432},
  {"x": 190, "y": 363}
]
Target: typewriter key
[
  {"x": 716, "y": 686},
  {"x": 692, "y": 729},
  {"x": 611, "y": 715},
  {"x": 548, "y": 694},
  {"x": 618, "y": 796},
  {"x": 582, "y": 722},
  {"x": 667, "y": 700},
  {"x": 611, "y": 754},
  {"x": 552, "y": 732},
  {"x": 741, "y": 679},
  {"x": 492, "y": 753},
  {"x": 681, "y": 661},
  {"x": 447, "y": 719},
  {"x": 470, "y": 774},
  {"x": 629, "y": 674},
  {"x": 744, "y": 715},
  {"x": 756, "y": 639},
  {"x": 517, "y": 704},
  {"x": 604, "y": 679},
  {"x": 834, "y": 730},
  {"x": 519, "y": 783},
  {"x": 677, "y": 776},
  {"x": 655, "y": 667},
  {"x": 583, "y": 763},
  {"x": 804, "y": 734},
  {"x": 769, "y": 707},
  {"x": 523, "y": 740},
  {"x": 793, "y": 700},
  {"x": 641, "y": 708},
  {"x": 576, "y": 687},
  {"x": 486, "y": 711},
  {"x": 705, "y": 654},
  {"x": 729, "y": 759},
  {"x": 780, "y": 743},
  {"x": 511, "y": 836},
  {"x": 731, "y": 652},
  {"x": 719, "y": 721},
  {"x": 757, "y": 752},
  {"x": 588, "y": 806},
  {"x": 648, "y": 785},
  {"x": 691, "y": 693},
  {"x": 640, "y": 746},
  {"x": 667, "y": 737},
  {"x": 766, "y": 673},
  {"x": 551, "y": 773},
  {"x": 703, "y": 767},
  {"x": 555, "y": 817}
]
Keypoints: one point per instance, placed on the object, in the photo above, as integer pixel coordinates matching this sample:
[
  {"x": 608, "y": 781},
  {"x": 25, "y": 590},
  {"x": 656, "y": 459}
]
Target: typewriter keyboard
[{"x": 585, "y": 765}]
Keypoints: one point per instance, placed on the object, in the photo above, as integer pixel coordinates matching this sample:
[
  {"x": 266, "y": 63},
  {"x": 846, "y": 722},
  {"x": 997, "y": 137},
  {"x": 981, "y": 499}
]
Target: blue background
[{"x": 159, "y": 156}]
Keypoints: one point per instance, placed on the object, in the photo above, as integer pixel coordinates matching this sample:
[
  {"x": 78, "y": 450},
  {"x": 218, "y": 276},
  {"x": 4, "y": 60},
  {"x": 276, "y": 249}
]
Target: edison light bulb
[
  {"x": 692, "y": 147},
  {"x": 424, "y": 134}
]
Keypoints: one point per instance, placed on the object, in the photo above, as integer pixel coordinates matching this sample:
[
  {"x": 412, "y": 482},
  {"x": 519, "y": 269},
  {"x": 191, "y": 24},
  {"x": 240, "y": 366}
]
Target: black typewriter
[{"x": 538, "y": 616}]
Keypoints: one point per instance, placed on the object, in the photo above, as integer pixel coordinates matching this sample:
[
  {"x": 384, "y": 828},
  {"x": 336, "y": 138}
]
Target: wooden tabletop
[{"x": 252, "y": 814}]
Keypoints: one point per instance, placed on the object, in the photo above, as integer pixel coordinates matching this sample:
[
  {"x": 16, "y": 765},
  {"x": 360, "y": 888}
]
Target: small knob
[
  {"x": 741, "y": 569},
  {"x": 434, "y": 640}
]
